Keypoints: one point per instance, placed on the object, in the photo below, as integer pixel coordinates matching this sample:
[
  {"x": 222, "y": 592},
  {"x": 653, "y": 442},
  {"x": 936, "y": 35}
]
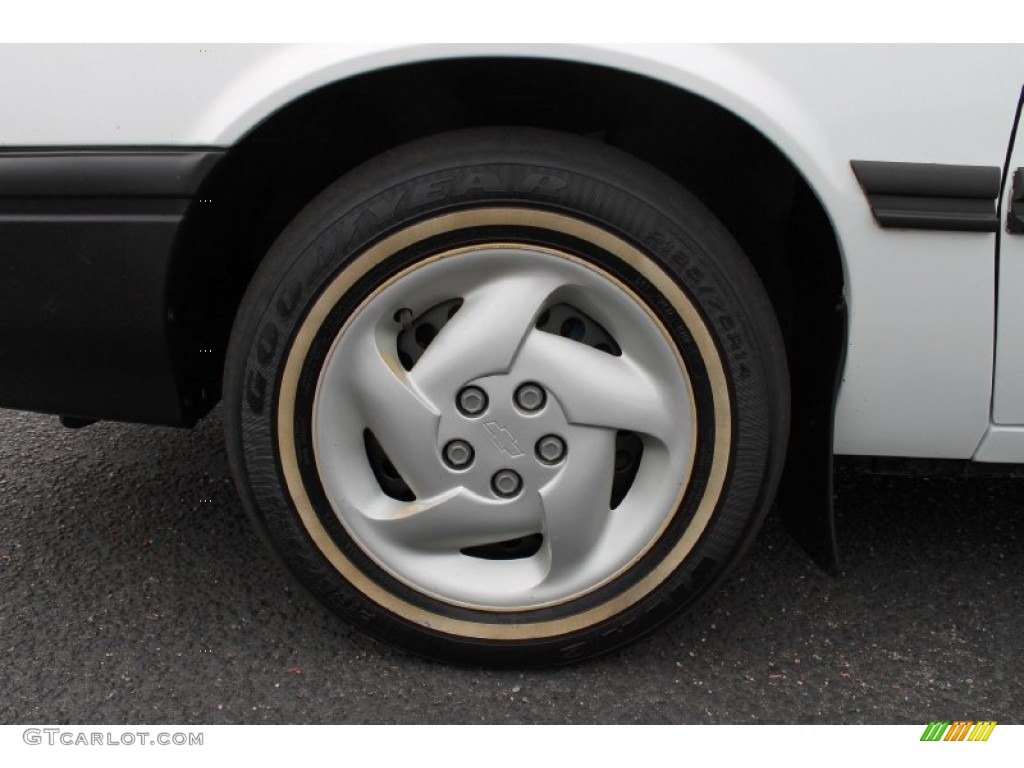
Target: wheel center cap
[{"x": 512, "y": 434}]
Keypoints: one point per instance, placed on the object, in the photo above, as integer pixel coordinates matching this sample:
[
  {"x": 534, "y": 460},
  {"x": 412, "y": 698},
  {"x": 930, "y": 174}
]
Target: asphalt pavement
[{"x": 133, "y": 590}]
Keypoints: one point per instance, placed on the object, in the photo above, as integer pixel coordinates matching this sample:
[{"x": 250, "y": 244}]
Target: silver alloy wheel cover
[{"x": 492, "y": 343}]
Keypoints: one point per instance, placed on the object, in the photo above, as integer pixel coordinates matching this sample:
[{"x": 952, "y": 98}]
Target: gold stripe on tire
[{"x": 482, "y": 217}]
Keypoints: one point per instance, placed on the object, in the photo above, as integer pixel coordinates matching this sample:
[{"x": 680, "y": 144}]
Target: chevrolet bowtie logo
[{"x": 503, "y": 440}]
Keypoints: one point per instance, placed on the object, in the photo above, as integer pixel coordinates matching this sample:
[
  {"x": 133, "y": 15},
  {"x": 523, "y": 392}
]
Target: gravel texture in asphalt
[{"x": 133, "y": 590}]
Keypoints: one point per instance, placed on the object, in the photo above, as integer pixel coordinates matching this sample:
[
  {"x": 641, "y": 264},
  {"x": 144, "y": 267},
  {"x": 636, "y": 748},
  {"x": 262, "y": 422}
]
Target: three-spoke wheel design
[{"x": 506, "y": 397}]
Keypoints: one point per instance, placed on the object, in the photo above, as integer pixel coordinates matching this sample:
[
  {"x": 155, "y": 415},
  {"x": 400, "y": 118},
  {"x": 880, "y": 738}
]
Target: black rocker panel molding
[{"x": 86, "y": 241}]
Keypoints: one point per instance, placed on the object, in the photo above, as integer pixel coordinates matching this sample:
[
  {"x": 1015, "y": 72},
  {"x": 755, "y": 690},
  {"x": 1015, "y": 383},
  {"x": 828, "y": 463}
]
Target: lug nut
[
  {"x": 530, "y": 397},
  {"x": 472, "y": 401},
  {"x": 551, "y": 449},
  {"x": 404, "y": 317},
  {"x": 458, "y": 454},
  {"x": 506, "y": 483}
]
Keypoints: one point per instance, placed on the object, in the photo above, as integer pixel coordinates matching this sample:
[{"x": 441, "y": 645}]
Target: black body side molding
[
  {"x": 959, "y": 198},
  {"x": 1015, "y": 216},
  {"x": 78, "y": 173},
  {"x": 86, "y": 244}
]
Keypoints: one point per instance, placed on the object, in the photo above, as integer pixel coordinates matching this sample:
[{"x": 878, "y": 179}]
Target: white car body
[
  {"x": 922, "y": 361},
  {"x": 661, "y": 286}
]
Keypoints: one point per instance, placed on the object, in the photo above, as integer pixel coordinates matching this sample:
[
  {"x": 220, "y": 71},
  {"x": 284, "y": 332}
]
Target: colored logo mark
[{"x": 958, "y": 730}]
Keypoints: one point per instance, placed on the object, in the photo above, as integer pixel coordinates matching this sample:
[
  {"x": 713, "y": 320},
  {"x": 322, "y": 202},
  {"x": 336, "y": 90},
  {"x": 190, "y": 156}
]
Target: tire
[{"x": 506, "y": 397}]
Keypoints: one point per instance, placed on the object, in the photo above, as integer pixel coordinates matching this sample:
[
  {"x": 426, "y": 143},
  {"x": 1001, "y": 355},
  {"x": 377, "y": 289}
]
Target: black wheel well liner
[{"x": 280, "y": 165}]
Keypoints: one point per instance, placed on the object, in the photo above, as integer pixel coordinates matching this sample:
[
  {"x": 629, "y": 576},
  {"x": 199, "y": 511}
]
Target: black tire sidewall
[{"x": 509, "y": 168}]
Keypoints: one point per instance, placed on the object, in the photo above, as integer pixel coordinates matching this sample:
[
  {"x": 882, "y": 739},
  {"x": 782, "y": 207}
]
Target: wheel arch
[{"x": 755, "y": 188}]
